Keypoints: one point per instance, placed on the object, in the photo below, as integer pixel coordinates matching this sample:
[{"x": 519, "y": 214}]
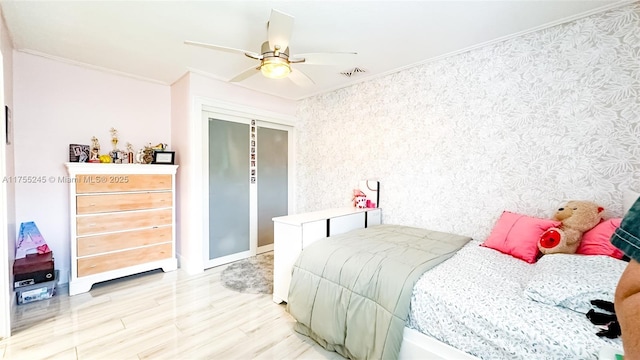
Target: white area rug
[{"x": 253, "y": 275}]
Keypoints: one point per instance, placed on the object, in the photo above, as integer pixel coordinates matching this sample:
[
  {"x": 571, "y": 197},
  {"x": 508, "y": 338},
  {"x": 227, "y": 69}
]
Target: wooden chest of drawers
[{"x": 122, "y": 221}]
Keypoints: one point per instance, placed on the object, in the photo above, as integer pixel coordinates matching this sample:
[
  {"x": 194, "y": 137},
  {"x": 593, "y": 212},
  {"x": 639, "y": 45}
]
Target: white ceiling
[{"x": 145, "y": 38}]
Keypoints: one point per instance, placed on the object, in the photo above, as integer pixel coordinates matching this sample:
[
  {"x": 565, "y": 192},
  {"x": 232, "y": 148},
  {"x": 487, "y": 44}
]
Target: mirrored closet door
[{"x": 248, "y": 177}]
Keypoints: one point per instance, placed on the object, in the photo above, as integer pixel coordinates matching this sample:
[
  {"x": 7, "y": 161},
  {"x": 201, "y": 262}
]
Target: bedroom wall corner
[{"x": 188, "y": 250}]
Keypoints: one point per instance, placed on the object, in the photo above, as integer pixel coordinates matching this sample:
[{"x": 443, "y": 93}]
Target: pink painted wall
[
  {"x": 57, "y": 104},
  {"x": 181, "y": 141}
]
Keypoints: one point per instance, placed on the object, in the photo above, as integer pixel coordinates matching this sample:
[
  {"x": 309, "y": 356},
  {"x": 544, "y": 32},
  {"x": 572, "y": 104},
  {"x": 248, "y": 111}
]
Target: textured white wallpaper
[{"x": 523, "y": 125}]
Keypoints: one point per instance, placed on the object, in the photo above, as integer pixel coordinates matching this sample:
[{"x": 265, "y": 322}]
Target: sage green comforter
[{"x": 351, "y": 292}]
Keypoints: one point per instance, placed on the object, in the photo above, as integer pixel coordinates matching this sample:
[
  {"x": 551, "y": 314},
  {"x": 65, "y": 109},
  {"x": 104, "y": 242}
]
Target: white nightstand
[{"x": 295, "y": 232}]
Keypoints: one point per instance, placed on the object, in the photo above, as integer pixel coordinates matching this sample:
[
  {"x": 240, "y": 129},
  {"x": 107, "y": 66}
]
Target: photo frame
[
  {"x": 78, "y": 153},
  {"x": 164, "y": 157}
]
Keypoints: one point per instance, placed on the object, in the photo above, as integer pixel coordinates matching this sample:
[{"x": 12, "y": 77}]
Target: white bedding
[{"x": 476, "y": 302}]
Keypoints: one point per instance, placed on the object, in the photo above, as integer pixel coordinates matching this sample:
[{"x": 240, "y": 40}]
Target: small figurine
[
  {"x": 139, "y": 156},
  {"x": 160, "y": 147},
  {"x": 148, "y": 154},
  {"x": 129, "y": 153},
  {"x": 115, "y": 157},
  {"x": 94, "y": 156},
  {"x": 124, "y": 158}
]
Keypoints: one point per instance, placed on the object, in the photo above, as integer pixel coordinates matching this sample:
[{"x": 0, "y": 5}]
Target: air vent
[{"x": 352, "y": 72}]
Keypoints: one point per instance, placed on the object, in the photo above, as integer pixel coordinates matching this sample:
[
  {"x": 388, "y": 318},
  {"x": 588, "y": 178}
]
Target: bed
[{"x": 466, "y": 302}]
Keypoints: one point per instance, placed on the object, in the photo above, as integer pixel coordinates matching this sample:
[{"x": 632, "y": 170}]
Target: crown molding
[{"x": 89, "y": 66}]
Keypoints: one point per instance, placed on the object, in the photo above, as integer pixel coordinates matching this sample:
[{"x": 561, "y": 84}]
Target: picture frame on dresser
[{"x": 164, "y": 157}]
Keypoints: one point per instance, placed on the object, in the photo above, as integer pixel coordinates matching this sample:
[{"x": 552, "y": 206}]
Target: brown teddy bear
[{"x": 577, "y": 217}]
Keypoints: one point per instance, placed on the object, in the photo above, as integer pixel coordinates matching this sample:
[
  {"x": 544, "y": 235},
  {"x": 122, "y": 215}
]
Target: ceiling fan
[{"x": 275, "y": 58}]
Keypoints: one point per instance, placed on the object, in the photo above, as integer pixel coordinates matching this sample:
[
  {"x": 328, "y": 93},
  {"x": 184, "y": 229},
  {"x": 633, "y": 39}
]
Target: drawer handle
[
  {"x": 92, "y": 204},
  {"x": 92, "y": 266},
  {"x": 92, "y": 224}
]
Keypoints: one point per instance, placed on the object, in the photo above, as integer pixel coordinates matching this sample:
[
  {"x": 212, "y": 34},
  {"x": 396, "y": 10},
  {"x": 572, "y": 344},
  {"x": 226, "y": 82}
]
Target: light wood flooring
[{"x": 158, "y": 315}]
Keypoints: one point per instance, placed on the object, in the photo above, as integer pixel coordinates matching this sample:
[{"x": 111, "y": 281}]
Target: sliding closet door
[
  {"x": 229, "y": 206},
  {"x": 273, "y": 184},
  {"x": 249, "y": 174}
]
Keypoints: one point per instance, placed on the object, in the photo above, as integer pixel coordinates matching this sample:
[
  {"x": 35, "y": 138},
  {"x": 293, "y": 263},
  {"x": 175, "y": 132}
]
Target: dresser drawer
[
  {"x": 122, "y": 259},
  {"x": 122, "y": 182},
  {"x": 128, "y": 220},
  {"x": 91, "y": 204},
  {"x": 98, "y": 244}
]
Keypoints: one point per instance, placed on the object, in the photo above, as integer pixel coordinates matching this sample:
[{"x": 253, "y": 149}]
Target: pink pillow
[
  {"x": 517, "y": 235},
  {"x": 597, "y": 241}
]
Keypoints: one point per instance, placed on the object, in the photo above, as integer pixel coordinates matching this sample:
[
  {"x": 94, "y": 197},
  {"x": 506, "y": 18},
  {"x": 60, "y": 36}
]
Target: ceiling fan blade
[
  {"x": 325, "y": 58},
  {"x": 299, "y": 78},
  {"x": 245, "y": 74},
  {"x": 224, "y": 48},
  {"x": 280, "y": 28}
]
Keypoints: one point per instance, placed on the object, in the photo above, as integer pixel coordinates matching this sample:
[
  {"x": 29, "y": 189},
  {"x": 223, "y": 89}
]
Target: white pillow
[{"x": 572, "y": 281}]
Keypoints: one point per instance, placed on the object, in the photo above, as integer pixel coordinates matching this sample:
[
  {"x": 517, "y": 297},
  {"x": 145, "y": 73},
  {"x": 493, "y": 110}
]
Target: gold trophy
[{"x": 116, "y": 157}]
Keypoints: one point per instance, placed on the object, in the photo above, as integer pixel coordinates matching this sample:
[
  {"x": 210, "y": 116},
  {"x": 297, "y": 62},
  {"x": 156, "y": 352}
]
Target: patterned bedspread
[{"x": 476, "y": 302}]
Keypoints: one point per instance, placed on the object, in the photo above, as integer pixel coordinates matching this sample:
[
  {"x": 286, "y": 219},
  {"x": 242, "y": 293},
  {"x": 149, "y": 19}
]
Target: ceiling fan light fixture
[{"x": 275, "y": 67}]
